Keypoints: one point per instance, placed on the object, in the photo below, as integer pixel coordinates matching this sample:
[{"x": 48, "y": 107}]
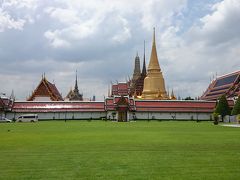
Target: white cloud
[
  {"x": 75, "y": 24},
  {"x": 124, "y": 32},
  {"x": 30, "y": 4},
  {"x": 81, "y": 19},
  {"x": 7, "y": 22},
  {"x": 206, "y": 49},
  {"x": 221, "y": 26},
  {"x": 14, "y": 14},
  {"x": 100, "y": 39},
  {"x": 55, "y": 39},
  {"x": 161, "y": 13}
]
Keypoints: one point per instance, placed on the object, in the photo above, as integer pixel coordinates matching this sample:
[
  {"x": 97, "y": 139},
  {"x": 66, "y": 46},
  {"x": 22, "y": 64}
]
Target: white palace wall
[
  {"x": 170, "y": 116},
  {"x": 61, "y": 115},
  {"x": 114, "y": 114}
]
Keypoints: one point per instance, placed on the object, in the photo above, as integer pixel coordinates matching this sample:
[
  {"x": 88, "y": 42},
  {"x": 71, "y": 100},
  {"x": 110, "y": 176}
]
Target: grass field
[{"x": 108, "y": 150}]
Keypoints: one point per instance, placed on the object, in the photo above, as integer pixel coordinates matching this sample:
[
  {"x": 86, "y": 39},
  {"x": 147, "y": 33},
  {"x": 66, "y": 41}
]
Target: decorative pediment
[{"x": 45, "y": 91}]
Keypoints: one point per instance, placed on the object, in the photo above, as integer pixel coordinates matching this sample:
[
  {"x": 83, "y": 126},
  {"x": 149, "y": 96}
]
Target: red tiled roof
[
  {"x": 228, "y": 84},
  {"x": 58, "y": 106},
  {"x": 54, "y": 90},
  {"x": 175, "y": 106},
  {"x": 45, "y": 88},
  {"x": 121, "y": 88},
  {"x": 111, "y": 103}
]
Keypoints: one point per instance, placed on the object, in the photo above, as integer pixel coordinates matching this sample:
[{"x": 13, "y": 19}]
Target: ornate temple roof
[
  {"x": 136, "y": 86},
  {"x": 5, "y": 103},
  {"x": 120, "y": 89},
  {"x": 228, "y": 84},
  {"x": 45, "y": 89},
  {"x": 137, "y": 69},
  {"x": 74, "y": 94},
  {"x": 111, "y": 103}
]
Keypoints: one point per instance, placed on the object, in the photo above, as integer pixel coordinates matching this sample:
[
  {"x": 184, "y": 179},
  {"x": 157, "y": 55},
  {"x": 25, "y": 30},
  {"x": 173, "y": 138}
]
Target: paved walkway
[{"x": 231, "y": 125}]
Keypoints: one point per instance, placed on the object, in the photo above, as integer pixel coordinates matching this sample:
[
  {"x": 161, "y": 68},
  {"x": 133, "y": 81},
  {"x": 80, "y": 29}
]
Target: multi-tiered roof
[
  {"x": 228, "y": 84},
  {"x": 45, "y": 91}
]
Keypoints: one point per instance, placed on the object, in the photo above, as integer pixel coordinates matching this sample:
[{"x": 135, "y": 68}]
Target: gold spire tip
[{"x": 154, "y": 34}]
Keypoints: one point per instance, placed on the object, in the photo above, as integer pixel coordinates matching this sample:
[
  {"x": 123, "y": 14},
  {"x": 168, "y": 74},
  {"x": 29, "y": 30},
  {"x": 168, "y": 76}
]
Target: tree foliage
[
  {"x": 236, "y": 108},
  {"x": 222, "y": 106},
  {"x": 189, "y": 98}
]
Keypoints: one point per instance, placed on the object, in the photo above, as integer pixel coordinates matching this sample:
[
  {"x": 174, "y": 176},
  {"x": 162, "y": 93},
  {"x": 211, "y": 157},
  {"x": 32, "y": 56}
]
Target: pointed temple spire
[
  {"x": 173, "y": 97},
  {"x": 74, "y": 95},
  {"x": 154, "y": 64},
  {"x": 154, "y": 85},
  {"x": 137, "y": 70},
  {"x": 144, "y": 72},
  {"x": 76, "y": 83}
]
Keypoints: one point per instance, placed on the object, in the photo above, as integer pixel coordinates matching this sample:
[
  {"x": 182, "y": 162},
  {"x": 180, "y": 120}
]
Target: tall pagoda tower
[
  {"x": 137, "y": 70},
  {"x": 136, "y": 75},
  {"x": 74, "y": 94},
  {"x": 139, "y": 83},
  {"x": 154, "y": 85}
]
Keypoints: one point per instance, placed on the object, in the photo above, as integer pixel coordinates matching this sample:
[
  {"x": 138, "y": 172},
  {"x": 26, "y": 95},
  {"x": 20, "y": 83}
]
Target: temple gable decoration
[{"x": 45, "y": 91}]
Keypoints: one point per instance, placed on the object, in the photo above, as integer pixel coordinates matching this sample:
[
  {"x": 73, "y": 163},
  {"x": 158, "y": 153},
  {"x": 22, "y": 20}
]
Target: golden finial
[{"x": 154, "y": 35}]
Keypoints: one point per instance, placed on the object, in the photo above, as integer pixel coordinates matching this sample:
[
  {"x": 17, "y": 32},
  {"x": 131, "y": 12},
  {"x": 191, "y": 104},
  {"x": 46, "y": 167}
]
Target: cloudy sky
[{"x": 100, "y": 38}]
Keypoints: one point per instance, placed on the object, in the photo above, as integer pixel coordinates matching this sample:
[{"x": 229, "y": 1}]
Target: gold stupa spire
[
  {"x": 154, "y": 85},
  {"x": 154, "y": 64}
]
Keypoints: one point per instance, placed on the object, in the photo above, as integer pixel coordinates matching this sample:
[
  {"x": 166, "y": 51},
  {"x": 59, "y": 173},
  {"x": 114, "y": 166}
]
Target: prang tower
[{"x": 154, "y": 85}]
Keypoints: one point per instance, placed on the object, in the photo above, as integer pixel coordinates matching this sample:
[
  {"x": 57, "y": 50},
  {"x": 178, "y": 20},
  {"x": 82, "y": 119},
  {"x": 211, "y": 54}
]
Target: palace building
[
  {"x": 144, "y": 96},
  {"x": 228, "y": 84},
  {"x": 144, "y": 84},
  {"x": 133, "y": 87},
  {"x": 74, "y": 94},
  {"x": 120, "y": 89},
  {"x": 45, "y": 91}
]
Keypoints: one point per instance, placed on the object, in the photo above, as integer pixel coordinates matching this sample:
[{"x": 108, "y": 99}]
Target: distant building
[
  {"x": 228, "y": 84},
  {"x": 144, "y": 97},
  {"x": 5, "y": 104},
  {"x": 118, "y": 108},
  {"x": 137, "y": 81},
  {"x": 121, "y": 89},
  {"x": 148, "y": 84},
  {"x": 74, "y": 94},
  {"x": 45, "y": 91}
]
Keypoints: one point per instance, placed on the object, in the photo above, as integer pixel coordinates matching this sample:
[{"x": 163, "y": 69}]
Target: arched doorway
[
  {"x": 122, "y": 116},
  {"x": 122, "y": 110}
]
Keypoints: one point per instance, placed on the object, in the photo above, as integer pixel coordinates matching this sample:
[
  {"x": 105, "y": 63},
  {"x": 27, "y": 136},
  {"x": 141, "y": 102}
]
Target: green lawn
[{"x": 110, "y": 150}]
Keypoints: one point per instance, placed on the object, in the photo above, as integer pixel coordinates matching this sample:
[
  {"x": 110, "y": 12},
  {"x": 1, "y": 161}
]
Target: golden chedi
[{"x": 154, "y": 86}]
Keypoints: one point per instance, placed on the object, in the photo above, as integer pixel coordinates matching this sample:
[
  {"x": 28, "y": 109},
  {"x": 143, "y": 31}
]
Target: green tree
[
  {"x": 236, "y": 108},
  {"x": 188, "y": 98},
  {"x": 222, "y": 107}
]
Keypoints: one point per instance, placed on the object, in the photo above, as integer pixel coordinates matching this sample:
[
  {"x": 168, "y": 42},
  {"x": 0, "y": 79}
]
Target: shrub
[
  {"x": 222, "y": 107},
  {"x": 238, "y": 118},
  {"x": 215, "y": 118},
  {"x": 236, "y": 108}
]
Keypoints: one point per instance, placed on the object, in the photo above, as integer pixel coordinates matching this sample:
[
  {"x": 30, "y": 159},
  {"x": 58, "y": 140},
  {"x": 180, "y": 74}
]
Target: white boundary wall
[
  {"x": 112, "y": 115},
  {"x": 170, "y": 116},
  {"x": 62, "y": 115}
]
